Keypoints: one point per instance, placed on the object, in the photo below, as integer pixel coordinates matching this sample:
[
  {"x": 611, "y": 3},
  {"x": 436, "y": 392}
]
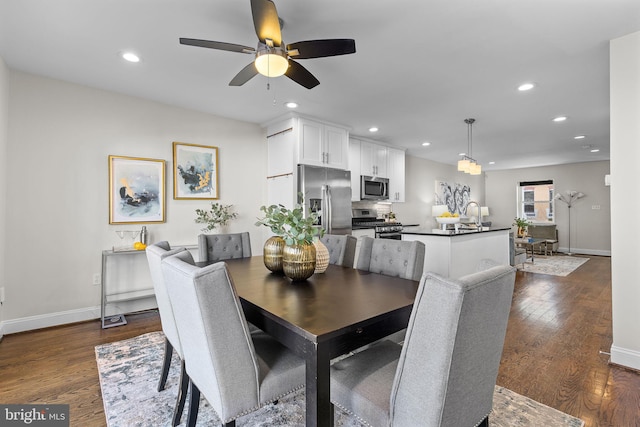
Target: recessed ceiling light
[
  {"x": 373, "y": 129},
  {"x": 526, "y": 86},
  {"x": 426, "y": 144},
  {"x": 492, "y": 163},
  {"x": 579, "y": 137},
  {"x": 462, "y": 154},
  {"x": 291, "y": 105},
  {"x": 560, "y": 119},
  {"x": 131, "y": 57},
  {"x": 595, "y": 150}
]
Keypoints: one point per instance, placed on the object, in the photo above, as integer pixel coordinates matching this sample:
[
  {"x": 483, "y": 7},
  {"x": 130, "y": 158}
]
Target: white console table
[
  {"x": 111, "y": 296},
  {"x": 108, "y": 297}
]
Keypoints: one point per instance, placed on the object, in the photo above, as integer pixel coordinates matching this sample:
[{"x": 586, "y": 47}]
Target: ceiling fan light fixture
[{"x": 271, "y": 62}]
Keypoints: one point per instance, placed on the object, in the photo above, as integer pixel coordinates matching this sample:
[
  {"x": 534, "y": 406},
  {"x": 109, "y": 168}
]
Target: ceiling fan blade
[
  {"x": 301, "y": 75},
  {"x": 266, "y": 22},
  {"x": 246, "y": 74},
  {"x": 218, "y": 45},
  {"x": 321, "y": 48}
]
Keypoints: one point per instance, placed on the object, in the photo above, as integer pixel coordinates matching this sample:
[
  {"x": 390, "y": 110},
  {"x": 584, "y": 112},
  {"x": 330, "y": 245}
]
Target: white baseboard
[
  {"x": 625, "y": 357},
  {"x": 47, "y": 320},
  {"x": 579, "y": 251}
]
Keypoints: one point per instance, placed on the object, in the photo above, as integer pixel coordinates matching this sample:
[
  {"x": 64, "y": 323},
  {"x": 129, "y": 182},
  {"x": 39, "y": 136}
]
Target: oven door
[{"x": 395, "y": 235}]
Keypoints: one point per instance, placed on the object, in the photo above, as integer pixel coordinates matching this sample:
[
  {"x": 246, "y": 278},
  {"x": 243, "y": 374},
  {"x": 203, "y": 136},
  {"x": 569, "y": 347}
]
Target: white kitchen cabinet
[
  {"x": 373, "y": 159},
  {"x": 396, "y": 167},
  {"x": 354, "y": 166},
  {"x": 280, "y": 147},
  {"x": 321, "y": 144}
]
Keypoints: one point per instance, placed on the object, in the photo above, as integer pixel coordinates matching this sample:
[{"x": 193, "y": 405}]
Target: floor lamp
[{"x": 571, "y": 196}]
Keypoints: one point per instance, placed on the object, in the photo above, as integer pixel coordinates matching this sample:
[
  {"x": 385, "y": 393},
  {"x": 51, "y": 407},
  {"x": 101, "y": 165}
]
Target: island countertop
[{"x": 424, "y": 231}]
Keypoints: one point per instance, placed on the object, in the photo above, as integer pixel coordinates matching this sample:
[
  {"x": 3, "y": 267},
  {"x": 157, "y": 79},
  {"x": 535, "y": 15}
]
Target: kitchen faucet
[{"x": 478, "y": 217}]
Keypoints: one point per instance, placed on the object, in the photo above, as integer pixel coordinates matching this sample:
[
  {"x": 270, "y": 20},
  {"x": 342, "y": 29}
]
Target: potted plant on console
[
  {"x": 522, "y": 224},
  {"x": 296, "y": 234},
  {"x": 218, "y": 216}
]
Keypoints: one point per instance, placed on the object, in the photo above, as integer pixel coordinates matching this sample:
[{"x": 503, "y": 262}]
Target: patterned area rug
[
  {"x": 556, "y": 265},
  {"x": 129, "y": 372}
]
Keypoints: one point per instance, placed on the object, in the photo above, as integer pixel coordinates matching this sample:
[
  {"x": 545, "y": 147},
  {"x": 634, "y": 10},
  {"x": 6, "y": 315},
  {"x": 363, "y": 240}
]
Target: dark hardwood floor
[{"x": 558, "y": 329}]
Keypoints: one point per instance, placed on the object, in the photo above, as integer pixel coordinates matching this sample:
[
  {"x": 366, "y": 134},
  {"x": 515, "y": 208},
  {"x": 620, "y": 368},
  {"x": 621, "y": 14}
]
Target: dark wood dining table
[{"x": 330, "y": 314}]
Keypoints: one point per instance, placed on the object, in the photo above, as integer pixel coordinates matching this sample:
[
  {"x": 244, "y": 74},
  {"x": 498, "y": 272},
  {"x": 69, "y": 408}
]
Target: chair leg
[
  {"x": 182, "y": 395},
  {"x": 166, "y": 364},
  {"x": 485, "y": 422},
  {"x": 194, "y": 405}
]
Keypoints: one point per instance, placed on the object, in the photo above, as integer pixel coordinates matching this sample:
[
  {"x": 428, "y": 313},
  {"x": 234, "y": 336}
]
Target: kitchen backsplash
[{"x": 382, "y": 209}]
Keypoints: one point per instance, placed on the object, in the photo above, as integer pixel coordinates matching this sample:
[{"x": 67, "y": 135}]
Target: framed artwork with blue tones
[
  {"x": 136, "y": 190},
  {"x": 195, "y": 171}
]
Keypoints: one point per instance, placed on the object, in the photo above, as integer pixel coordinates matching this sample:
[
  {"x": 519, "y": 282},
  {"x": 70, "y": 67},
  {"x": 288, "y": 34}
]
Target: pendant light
[{"x": 467, "y": 164}]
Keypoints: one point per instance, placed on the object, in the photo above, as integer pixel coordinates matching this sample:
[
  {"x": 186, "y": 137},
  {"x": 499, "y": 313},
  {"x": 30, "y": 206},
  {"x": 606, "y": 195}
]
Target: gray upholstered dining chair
[
  {"x": 342, "y": 249},
  {"x": 392, "y": 257},
  {"x": 236, "y": 371},
  {"x": 445, "y": 372},
  {"x": 218, "y": 247},
  {"x": 155, "y": 254}
]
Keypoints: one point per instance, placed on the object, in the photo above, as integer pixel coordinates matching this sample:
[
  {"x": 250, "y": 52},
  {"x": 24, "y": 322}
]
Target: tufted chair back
[
  {"x": 236, "y": 371},
  {"x": 392, "y": 257},
  {"x": 219, "y": 247},
  {"x": 342, "y": 249},
  {"x": 445, "y": 373}
]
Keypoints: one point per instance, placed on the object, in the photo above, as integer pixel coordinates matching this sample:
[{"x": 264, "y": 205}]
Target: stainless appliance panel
[
  {"x": 374, "y": 188},
  {"x": 327, "y": 191}
]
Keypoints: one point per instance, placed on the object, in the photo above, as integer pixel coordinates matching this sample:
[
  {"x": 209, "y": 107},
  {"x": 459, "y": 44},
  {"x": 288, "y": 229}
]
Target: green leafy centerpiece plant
[
  {"x": 522, "y": 224},
  {"x": 218, "y": 216},
  {"x": 295, "y": 232}
]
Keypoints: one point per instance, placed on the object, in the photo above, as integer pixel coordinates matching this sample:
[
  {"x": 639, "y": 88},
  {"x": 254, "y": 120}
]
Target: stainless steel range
[{"x": 365, "y": 218}]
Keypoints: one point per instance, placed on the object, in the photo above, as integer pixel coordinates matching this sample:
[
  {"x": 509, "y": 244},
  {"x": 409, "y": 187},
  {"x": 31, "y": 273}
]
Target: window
[{"x": 535, "y": 201}]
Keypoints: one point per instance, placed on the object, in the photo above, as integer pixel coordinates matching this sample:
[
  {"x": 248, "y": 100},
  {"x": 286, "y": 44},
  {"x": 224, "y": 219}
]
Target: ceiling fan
[{"x": 272, "y": 57}]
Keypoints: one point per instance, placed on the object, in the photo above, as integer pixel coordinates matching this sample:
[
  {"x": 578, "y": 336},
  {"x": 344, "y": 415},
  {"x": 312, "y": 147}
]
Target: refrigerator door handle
[{"x": 329, "y": 224}]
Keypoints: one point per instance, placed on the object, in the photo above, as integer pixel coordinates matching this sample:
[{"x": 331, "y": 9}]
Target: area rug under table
[
  {"x": 129, "y": 373},
  {"x": 555, "y": 265}
]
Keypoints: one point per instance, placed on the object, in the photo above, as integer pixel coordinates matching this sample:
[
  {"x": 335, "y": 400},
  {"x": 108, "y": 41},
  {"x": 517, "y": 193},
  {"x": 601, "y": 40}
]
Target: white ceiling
[{"x": 421, "y": 66}]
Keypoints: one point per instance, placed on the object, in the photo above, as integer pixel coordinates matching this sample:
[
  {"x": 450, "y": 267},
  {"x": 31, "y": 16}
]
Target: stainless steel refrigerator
[{"x": 328, "y": 192}]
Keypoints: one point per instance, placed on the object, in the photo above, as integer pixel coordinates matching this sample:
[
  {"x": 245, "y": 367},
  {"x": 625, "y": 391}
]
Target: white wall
[
  {"x": 4, "y": 129},
  {"x": 625, "y": 151},
  {"x": 590, "y": 232},
  {"x": 59, "y": 139},
  {"x": 421, "y": 176}
]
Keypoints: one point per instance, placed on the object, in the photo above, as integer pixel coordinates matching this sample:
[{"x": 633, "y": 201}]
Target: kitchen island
[{"x": 456, "y": 253}]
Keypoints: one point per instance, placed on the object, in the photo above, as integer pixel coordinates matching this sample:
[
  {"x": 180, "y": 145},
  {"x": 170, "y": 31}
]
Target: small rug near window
[
  {"x": 129, "y": 372},
  {"x": 556, "y": 265}
]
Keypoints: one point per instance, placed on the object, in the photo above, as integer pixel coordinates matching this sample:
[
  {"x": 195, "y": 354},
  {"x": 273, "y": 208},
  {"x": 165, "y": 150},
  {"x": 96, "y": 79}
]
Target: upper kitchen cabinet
[
  {"x": 373, "y": 159},
  {"x": 321, "y": 144},
  {"x": 367, "y": 157},
  {"x": 298, "y": 140},
  {"x": 396, "y": 164}
]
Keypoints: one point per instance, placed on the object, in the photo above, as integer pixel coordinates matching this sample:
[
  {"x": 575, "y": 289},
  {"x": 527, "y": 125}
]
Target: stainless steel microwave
[{"x": 374, "y": 188}]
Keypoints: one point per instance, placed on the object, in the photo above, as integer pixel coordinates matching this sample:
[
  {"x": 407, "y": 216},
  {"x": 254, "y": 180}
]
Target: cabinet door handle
[{"x": 327, "y": 161}]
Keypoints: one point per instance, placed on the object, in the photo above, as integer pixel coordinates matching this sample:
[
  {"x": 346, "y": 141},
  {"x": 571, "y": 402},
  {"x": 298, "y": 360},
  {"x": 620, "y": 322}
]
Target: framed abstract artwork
[
  {"x": 455, "y": 196},
  {"x": 136, "y": 190},
  {"x": 195, "y": 171}
]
